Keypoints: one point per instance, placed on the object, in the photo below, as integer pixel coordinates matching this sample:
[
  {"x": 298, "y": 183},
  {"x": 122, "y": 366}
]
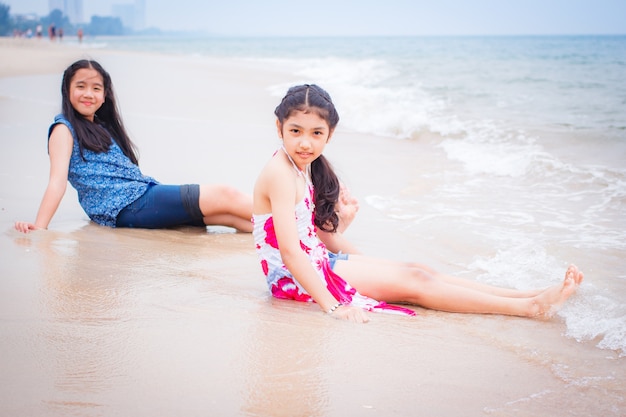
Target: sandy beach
[{"x": 116, "y": 322}]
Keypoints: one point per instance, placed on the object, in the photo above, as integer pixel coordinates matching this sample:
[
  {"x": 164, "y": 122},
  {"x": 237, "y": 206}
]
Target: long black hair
[
  {"x": 96, "y": 136},
  {"x": 313, "y": 99}
]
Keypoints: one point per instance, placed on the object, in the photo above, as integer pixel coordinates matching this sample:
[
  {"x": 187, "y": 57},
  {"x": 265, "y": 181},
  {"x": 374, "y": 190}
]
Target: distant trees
[
  {"x": 98, "y": 26},
  {"x": 5, "y": 20},
  {"x": 105, "y": 25},
  {"x": 57, "y": 19}
]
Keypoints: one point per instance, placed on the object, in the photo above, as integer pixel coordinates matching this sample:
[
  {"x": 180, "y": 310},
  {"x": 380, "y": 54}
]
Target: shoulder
[
  {"x": 276, "y": 173},
  {"x": 274, "y": 184},
  {"x": 61, "y": 126}
]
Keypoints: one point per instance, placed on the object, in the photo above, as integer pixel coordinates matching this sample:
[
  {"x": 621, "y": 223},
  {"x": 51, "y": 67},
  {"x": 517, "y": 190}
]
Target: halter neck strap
[{"x": 306, "y": 175}]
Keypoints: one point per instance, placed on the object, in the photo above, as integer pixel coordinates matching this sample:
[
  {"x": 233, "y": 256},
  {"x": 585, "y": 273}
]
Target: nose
[{"x": 305, "y": 143}]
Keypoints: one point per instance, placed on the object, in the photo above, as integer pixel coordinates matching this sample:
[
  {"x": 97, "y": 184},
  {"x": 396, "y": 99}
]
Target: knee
[
  {"x": 417, "y": 283},
  {"x": 229, "y": 192},
  {"x": 220, "y": 192},
  {"x": 420, "y": 274}
]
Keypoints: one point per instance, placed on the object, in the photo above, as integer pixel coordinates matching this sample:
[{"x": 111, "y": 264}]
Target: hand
[
  {"x": 346, "y": 207},
  {"x": 25, "y": 227},
  {"x": 353, "y": 314}
]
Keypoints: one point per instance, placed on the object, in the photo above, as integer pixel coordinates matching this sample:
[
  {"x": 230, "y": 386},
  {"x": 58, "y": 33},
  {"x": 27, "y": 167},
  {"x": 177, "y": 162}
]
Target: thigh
[{"x": 383, "y": 279}]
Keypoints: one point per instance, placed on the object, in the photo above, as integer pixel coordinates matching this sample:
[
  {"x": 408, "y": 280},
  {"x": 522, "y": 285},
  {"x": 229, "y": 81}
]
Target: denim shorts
[
  {"x": 163, "y": 206},
  {"x": 334, "y": 257}
]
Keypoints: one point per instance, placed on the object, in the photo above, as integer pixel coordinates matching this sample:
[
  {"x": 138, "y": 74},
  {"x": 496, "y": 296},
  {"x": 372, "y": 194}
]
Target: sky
[{"x": 368, "y": 17}]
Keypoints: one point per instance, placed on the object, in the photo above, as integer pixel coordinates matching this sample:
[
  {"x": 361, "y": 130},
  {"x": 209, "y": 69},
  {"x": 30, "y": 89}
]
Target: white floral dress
[{"x": 280, "y": 281}]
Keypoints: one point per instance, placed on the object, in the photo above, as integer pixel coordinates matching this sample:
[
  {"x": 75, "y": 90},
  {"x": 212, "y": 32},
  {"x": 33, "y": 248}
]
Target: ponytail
[{"x": 327, "y": 187}]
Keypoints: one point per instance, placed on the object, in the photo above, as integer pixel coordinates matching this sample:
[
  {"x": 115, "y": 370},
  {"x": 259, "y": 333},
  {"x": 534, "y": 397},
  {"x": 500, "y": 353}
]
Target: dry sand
[{"x": 116, "y": 322}]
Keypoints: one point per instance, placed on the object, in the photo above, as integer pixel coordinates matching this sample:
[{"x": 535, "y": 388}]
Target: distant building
[
  {"x": 132, "y": 15},
  {"x": 126, "y": 13},
  {"x": 73, "y": 9},
  {"x": 140, "y": 14},
  {"x": 56, "y": 4}
]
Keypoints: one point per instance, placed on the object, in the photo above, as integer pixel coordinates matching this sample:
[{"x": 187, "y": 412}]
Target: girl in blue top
[{"x": 89, "y": 147}]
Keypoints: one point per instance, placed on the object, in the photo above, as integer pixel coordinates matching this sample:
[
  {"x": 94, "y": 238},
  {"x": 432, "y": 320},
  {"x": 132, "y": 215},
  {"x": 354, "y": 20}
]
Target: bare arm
[
  {"x": 60, "y": 150},
  {"x": 282, "y": 197},
  {"x": 337, "y": 242},
  {"x": 346, "y": 208}
]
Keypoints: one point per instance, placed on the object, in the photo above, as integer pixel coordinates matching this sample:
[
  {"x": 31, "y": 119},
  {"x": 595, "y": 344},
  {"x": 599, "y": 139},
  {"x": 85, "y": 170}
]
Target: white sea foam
[{"x": 504, "y": 159}]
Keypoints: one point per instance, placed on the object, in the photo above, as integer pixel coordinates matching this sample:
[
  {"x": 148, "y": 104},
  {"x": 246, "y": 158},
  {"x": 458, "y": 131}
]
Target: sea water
[{"x": 533, "y": 135}]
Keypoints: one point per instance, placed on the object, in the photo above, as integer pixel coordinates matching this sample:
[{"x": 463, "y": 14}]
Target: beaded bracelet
[{"x": 333, "y": 308}]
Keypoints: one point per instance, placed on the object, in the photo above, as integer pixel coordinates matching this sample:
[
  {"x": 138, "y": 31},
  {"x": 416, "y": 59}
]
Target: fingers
[
  {"x": 353, "y": 314},
  {"x": 346, "y": 198},
  {"x": 347, "y": 208},
  {"x": 24, "y": 227}
]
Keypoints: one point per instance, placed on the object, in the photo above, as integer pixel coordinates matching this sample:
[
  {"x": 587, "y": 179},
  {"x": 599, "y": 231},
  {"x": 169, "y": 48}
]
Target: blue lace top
[{"x": 106, "y": 182}]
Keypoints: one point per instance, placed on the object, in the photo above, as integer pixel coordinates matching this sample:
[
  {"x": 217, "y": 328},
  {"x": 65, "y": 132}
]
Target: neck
[{"x": 303, "y": 172}]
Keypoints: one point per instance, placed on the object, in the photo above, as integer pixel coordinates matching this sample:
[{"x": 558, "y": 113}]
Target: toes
[
  {"x": 574, "y": 273},
  {"x": 580, "y": 277}
]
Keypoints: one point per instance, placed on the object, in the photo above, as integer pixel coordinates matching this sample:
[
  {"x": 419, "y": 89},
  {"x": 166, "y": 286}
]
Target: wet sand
[{"x": 115, "y": 322}]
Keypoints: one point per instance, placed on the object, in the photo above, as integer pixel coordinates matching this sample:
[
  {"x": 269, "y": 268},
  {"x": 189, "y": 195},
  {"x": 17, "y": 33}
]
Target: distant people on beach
[
  {"x": 52, "y": 31},
  {"x": 39, "y": 31},
  {"x": 79, "y": 34},
  {"x": 60, "y": 34},
  {"x": 303, "y": 259},
  {"x": 89, "y": 146}
]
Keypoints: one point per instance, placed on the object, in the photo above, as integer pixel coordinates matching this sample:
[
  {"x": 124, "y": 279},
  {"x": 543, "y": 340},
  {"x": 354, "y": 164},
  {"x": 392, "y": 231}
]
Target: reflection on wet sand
[
  {"x": 111, "y": 311},
  {"x": 284, "y": 363},
  {"x": 85, "y": 306}
]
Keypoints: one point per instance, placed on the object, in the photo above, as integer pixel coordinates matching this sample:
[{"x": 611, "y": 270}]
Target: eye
[{"x": 294, "y": 131}]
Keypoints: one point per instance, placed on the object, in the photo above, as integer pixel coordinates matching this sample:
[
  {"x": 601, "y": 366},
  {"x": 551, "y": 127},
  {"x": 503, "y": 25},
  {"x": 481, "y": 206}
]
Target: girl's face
[
  {"x": 304, "y": 136},
  {"x": 87, "y": 92}
]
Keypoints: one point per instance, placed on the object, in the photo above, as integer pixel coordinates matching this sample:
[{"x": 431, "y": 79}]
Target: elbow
[
  {"x": 290, "y": 255},
  {"x": 58, "y": 186}
]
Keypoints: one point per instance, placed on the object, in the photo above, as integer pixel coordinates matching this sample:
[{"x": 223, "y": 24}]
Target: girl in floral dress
[{"x": 295, "y": 205}]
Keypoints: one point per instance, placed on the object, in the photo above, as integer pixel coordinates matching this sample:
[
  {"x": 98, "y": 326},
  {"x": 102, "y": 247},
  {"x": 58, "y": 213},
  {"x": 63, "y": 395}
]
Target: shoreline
[
  {"x": 34, "y": 56},
  {"x": 120, "y": 321}
]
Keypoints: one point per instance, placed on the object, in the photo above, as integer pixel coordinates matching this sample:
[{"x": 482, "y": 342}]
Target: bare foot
[
  {"x": 548, "y": 302},
  {"x": 346, "y": 207},
  {"x": 578, "y": 275}
]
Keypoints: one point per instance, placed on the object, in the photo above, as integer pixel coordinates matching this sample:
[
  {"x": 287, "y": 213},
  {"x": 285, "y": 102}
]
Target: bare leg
[
  {"x": 488, "y": 289},
  {"x": 415, "y": 284},
  {"x": 467, "y": 283},
  {"x": 224, "y": 205}
]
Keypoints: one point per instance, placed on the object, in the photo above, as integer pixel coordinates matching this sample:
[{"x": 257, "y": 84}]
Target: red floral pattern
[{"x": 280, "y": 281}]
